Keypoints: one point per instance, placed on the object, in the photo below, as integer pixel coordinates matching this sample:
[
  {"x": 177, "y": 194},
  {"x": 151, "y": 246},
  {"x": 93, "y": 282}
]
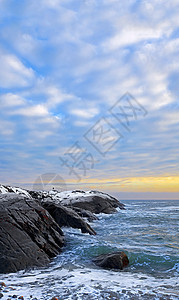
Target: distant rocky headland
[{"x": 31, "y": 221}]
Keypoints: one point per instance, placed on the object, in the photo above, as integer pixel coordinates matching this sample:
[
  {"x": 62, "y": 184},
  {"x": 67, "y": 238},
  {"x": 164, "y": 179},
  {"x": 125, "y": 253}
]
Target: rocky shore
[{"x": 31, "y": 221}]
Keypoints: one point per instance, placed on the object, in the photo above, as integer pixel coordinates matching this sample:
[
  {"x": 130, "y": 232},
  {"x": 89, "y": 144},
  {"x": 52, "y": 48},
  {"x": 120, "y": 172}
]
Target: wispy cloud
[
  {"x": 13, "y": 72},
  {"x": 33, "y": 111},
  {"x": 11, "y": 100},
  {"x": 6, "y": 128},
  {"x": 65, "y": 63},
  {"x": 87, "y": 113}
]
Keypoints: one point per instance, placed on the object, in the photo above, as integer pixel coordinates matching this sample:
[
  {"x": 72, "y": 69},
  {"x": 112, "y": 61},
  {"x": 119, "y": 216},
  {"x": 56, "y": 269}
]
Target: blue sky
[{"x": 64, "y": 64}]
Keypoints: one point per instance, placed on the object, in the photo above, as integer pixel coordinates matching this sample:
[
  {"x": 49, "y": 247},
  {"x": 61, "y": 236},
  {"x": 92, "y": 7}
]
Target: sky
[{"x": 89, "y": 95}]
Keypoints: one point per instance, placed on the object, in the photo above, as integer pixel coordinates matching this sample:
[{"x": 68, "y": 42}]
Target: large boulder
[
  {"x": 115, "y": 260},
  {"x": 29, "y": 236},
  {"x": 93, "y": 201},
  {"x": 65, "y": 216}
]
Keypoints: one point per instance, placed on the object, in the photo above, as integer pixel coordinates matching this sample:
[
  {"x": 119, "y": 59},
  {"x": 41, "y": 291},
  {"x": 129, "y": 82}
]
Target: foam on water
[
  {"x": 90, "y": 283},
  {"x": 147, "y": 232}
]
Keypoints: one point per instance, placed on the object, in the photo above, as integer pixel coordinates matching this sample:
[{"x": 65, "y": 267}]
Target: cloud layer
[{"x": 64, "y": 64}]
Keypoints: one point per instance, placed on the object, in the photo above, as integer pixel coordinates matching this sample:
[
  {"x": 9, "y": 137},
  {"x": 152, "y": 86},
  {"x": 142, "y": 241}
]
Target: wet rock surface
[
  {"x": 85, "y": 214},
  {"x": 29, "y": 236},
  {"x": 115, "y": 260},
  {"x": 67, "y": 217},
  {"x": 30, "y": 223}
]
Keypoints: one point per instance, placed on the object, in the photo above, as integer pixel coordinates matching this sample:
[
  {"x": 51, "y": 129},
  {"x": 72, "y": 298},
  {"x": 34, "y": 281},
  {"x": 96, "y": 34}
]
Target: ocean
[{"x": 148, "y": 231}]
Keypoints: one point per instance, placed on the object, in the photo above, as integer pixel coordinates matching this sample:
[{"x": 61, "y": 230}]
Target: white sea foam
[
  {"x": 147, "y": 234},
  {"x": 68, "y": 283}
]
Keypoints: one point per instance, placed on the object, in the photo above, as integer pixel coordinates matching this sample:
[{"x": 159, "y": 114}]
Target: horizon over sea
[{"x": 147, "y": 231}]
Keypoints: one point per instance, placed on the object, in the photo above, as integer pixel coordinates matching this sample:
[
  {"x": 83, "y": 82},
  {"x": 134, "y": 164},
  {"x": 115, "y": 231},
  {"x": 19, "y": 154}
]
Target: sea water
[{"x": 148, "y": 231}]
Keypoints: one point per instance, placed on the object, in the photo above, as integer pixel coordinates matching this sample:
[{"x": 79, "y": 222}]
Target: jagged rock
[
  {"x": 36, "y": 194},
  {"x": 66, "y": 216},
  {"x": 115, "y": 260},
  {"x": 28, "y": 234},
  {"x": 4, "y": 189},
  {"x": 93, "y": 201},
  {"x": 85, "y": 214}
]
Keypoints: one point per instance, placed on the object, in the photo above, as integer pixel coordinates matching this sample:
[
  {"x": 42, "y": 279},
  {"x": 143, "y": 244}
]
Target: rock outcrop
[
  {"x": 30, "y": 221},
  {"x": 93, "y": 201},
  {"x": 115, "y": 260},
  {"x": 29, "y": 236},
  {"x": 65, "y": 216},
  {"x": 14, "y": 190},
  {"x": 85, "y": 214}
]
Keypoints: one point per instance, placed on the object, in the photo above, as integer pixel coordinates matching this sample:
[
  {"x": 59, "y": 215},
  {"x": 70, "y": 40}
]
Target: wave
[
  {"x": 146, "y": 231},
  {"x": 92, "y": 284}
]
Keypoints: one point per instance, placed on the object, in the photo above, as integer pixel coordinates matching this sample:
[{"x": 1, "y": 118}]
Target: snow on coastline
[
  {"x": 16, "y": 190},
  {"x": 64, "y": 197}
]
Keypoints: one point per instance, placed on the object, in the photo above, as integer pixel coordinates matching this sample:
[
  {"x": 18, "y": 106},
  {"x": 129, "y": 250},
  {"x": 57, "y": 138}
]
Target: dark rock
[
  {"x": 93, "y": 201},
  {"x": 35, "y": 194},
  {"x": 85, "y": 214},
  {"x": 28, "y": 234},
  {"x": 67, "y": 217},
  {"x": 2, "y": 284},
  {"x": 115, "y": 260},
  {"x": 1, "y": 295}
]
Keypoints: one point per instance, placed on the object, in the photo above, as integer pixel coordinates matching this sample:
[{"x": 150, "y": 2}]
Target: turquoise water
[{"x": 148, "y": 231}]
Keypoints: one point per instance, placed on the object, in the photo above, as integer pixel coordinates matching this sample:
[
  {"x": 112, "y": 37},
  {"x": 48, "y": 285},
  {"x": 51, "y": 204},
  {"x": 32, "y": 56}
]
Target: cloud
[
  {"x": 13, "y": 72},
  {"x": 55, "y": 96},
  {"x": 131, "y": 35},
  {"x": 82, "y": 123},
  {"x": 63, "y": 63},
  {"x": 48, "y": 93},
  {"x": 32, "y": 111},
  {"x": 49, "y": 120},
  {"x": 10, "y": 100},
  {"x": 6, "y": 128},
  {"x": 169, "y": 120},
  {"x": 43, "y": 134},
  {"x": 87, "y": 113}
]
